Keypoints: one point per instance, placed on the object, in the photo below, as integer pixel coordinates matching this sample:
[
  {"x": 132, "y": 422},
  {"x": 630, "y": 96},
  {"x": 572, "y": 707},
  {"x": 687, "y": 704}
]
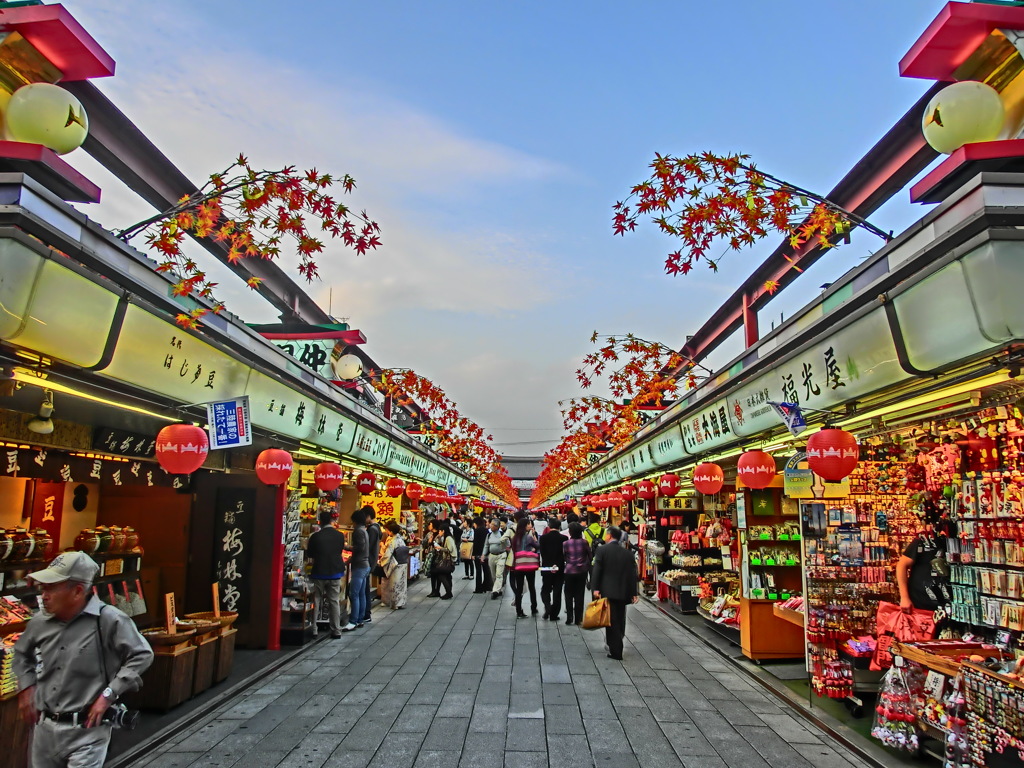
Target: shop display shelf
[
  {"x": 788, "y": 614},
  {"x": 23, "y": 565}
]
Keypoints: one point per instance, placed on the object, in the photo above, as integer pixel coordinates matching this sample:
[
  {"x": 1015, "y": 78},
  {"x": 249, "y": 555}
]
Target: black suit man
[{"x": 615, "y": 579}]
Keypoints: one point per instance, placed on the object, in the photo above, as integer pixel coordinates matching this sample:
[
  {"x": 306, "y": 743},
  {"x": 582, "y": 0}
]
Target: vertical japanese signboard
[
  {"x": 233, "y": 541},
  {"x": 48, "y": 509}
]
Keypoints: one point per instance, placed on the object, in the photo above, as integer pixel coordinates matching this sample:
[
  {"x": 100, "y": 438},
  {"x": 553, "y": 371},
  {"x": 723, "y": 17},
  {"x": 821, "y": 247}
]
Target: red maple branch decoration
[
  {"x": 634, "y": 371},
  {"x": 459, "y": 438},
  {"x": 706, "y": 198},
  {"x": 255, "y": 212}
]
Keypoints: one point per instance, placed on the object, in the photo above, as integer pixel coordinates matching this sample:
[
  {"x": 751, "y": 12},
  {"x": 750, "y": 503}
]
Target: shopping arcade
[{"x": 118, "y": 359}]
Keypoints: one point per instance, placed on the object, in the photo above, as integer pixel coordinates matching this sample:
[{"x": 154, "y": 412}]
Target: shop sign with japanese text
[
  {"x": 62, "y": 467},
  {"x": 855, "y": 361},
  {"x": 707, "y": 429},
  {"x": 667, "y": 447},
  {"x": 123, "y": 443},
  {"x": 158, "y": 356},
  {"x": 370, "y": 446}
]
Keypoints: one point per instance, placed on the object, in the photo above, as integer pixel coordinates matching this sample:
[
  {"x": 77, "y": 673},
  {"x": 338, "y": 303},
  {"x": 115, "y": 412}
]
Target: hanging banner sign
[
  {"x": 229, "y": 422},
  {"x": 791, "y": 416},
  {"x": 798, "y": 483}
]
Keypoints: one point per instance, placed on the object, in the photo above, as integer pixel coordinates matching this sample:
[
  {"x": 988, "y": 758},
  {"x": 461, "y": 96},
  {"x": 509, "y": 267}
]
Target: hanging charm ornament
[
  {"x": 708, "y": 478},
  {"x": 181, "y": 449},
  {"x": 756, "y": 469}
]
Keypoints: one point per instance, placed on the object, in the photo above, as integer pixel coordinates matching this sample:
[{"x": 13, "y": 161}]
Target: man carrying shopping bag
[{"x": 615, "y": 579}]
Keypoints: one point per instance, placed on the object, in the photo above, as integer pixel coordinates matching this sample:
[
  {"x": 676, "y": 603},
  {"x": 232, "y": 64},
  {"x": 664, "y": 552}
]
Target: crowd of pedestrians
[{"x": 571, "y": 554}]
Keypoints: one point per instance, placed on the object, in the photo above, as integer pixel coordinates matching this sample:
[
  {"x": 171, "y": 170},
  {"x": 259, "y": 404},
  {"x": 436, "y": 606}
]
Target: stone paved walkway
[{"x": 463, "y": 683}]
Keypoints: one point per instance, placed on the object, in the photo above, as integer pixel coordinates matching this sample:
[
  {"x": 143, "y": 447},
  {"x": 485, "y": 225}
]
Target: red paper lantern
[
  {"x": 414, "y": 491},
  {"x": 645, "y": 490},
  {"x": 615, "y": 499},
  {"x": 628, "y": 492},
  {"x": 366, "y": 482},
  {"x": 327, "y": 476},
  {"x": 430, "y": 495},
  {"x": 708, "y": 478},
  {"x": 395, "y": 487},
  {"x": 756, "y": 469},
  {"x": 181, "y": 449},
  {"x": 274, "y": 466},
  {"x": 832, "y": 453},
  {"x": 668, "y": 485}
]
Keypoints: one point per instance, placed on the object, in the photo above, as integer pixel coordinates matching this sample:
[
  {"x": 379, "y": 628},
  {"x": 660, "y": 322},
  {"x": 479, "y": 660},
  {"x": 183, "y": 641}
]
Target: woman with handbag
[
  {"x": 394, "y": 561},
  {"x": 445, "y": 557},
  {"x": 466, "y": 548},
  {"x": 577, "y": 564},
  {"x": 525, "y": 562}
]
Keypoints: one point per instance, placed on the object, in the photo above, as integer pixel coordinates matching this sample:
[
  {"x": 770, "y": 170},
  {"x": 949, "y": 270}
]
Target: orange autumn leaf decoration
[
  {"x": 255, "y": 213},
  {"x": 706, "y": 199}
]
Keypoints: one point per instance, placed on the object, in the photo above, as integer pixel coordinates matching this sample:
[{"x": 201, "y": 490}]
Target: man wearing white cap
[{"x": 88, "y": 653}]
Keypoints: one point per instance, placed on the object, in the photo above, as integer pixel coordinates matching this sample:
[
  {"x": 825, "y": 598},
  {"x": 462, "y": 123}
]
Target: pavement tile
[
  {"x": 429, "y": 758},
  {"x": 447, "y": 733},
  {"x": 463, "y": 684}
]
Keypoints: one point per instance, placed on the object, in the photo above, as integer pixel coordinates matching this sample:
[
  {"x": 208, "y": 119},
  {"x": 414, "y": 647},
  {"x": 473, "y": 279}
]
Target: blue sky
[{"x": 490, "y": 140}]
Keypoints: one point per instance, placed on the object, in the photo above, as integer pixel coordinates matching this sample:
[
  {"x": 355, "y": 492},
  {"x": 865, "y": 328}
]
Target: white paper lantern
[
  {"x": 41, "y": 113},
  {"x": 347, "y": 367},
  {"x": 963, "y": 113}
]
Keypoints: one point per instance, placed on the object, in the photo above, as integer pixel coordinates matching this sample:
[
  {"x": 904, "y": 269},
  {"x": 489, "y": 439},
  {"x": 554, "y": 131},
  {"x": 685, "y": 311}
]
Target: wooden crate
[
  {"x": 168, "y": 681},
  {"x": 205, "y": 663},
  {"x": 225, "y": 654}
]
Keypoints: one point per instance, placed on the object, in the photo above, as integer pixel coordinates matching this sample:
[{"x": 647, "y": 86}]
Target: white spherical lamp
[
  {"x": 963, "y": 113},
  {"x": 41, "y": 113},
  {"x": 347, "y": 367}
]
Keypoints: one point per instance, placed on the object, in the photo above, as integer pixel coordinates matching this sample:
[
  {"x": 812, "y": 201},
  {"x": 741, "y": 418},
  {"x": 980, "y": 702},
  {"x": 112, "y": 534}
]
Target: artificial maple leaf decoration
[
  {"x": 253, "y": 212},
  {"x": 704, "y": 199}
]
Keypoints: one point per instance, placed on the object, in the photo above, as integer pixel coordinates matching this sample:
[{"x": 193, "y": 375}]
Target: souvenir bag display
[
  {"x": 894, "y": 624},
  {"x": 895, "y": 719}
]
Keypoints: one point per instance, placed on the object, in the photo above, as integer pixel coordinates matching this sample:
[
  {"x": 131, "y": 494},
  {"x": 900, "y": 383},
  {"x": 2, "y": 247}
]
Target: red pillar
[
  {"x": 277, "y": 570},
  {"x": 750, "y": 334}
]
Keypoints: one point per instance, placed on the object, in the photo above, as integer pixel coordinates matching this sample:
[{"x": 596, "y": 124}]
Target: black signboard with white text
[{"x": 234, "y": 532}]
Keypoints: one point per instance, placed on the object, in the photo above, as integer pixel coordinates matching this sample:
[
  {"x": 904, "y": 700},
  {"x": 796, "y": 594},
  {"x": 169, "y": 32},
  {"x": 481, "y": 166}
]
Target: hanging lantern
[
  {"x": 708, "y": 478},
  {"x": 274, "y": 466},
  {"x": 967, "y": 112},
  {"x": 181, "y": 449},
  {"x": 756, "y": 469},
  {"x": 41, "y": 113},
  {"x": 394, "y": 488},
  {"x": 414, "y": 491},
  {"x": 645, "y": 490},
  {"x": 430, "y": 495},
  {"x": 832, "y": 453},
  {"x": 366, "y": 482},
  {"x": 347, "y": 367},
  {"x": 668, "y": 484},
  {"x": 628, "y": 492},
  {"x": 327, "y": 476},
  {"x": 615, "y": 499}
]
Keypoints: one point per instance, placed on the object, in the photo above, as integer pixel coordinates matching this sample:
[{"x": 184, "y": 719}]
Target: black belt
[{"x": 68, "y": 718}]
